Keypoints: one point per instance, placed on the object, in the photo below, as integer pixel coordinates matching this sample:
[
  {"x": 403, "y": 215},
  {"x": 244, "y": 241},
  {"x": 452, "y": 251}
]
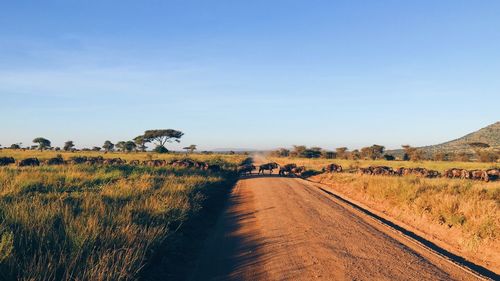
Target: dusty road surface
[{"x": 277, "y": 228}]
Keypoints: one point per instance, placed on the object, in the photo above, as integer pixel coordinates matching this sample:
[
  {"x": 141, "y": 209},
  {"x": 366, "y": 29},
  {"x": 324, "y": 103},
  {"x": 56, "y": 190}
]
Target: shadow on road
[{"x": 233, "y": 247}]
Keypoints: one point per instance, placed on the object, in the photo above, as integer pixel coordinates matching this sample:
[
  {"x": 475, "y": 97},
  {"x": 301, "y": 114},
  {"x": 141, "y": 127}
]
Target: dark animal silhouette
[
  {"x": 287, "y": 169},
  {"x": 268, "y": 166},
  {"x": 245, "y": 169},
  {"x": 4, "y": 161},
  {"x": 332, "y": 168},
  {"x": 29, "y": 162}
]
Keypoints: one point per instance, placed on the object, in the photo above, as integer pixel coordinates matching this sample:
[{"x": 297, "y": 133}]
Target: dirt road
[{"x": 279, "y": 228}]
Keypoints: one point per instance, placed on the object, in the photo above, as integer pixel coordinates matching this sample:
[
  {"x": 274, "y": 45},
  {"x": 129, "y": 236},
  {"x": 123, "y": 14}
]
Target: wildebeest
[
  {"x": 493, "y": 174},
  {"x": 29, "y": 162},
  {"x": 114, "y": 161},
  {"x": 268, "y": 166},
  {"x": 4, "y": 161},
  {"x": 364, "y": 171},
  {"x": 54, "y": 161},
  {"x": 245, "y": 169},
  {"x": 77, "y": 160},
  {"x": 454, "y": 173},
  {"x": 287, "y": 169},
  {"x": 154, "y": 163},
  {"x": 185, "y": 163},
  {"x": 298, "y": 170},
  {"x": 213, "y": 168},
  {"x": 94, "y": 160},
  {"x": 332, "y": 168},
  {"x": 421, "y": 172},
  {"x": 478, "y": 175},
  {"x": 377, "y": 170},
  {"x": 134, "y": 162}
]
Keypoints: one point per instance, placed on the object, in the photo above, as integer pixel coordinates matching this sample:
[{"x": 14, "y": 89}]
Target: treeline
[
  {"x": 158, "y": 138},
  {"x": 481, "y": 152}
]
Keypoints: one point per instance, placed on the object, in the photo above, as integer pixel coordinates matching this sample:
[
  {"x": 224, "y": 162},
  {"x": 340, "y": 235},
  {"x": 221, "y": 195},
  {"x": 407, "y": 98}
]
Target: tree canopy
[
  {"x": 126, "y": 146},
  {"x": 68, "y": 145},
  {"x": 140, "y": 141},
  {"x": 162, "y": 136},
  {"x": 108, "y": 146},
  {"x": 43, "y": 143},
  {"x": 190, "y": 148}
]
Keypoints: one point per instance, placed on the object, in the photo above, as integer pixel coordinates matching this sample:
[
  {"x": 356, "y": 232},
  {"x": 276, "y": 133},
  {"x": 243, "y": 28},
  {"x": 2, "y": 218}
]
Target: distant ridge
[
  {"x": 489, "y": 135},
  {"x": 233, "y": 149}
]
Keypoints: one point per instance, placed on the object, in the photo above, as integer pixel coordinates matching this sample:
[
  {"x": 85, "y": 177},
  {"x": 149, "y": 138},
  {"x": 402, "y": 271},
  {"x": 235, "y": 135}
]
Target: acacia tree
[
  {"x": 161, "y": 137},
  {"x": 140, "y": 142},
  {"x": 68, "y": 145},
  {"x": 341, "y": 152},
  {"x": 126, "y": 146},
  {"x": 190, "y": 148},
  {"x": 373, "y": 152},
  {"x": 480, "y": 149},
  {"x": 108, "y": 146},
  {"x": 43, "y": 143},
  {"x": 412, "y": 153},
  {"x": 15, "y": 146}
]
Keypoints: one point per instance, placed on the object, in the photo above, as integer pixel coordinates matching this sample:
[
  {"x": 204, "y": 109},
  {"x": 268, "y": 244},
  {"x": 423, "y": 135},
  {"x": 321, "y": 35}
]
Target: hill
[{"x": 489, "y": 135}]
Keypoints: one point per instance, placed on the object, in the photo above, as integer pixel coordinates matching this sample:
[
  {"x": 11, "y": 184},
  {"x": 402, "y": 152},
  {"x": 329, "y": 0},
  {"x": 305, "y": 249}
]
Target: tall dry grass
[
  {"x": 97, "y": 223},
  {"x": 464, "y": 214}
]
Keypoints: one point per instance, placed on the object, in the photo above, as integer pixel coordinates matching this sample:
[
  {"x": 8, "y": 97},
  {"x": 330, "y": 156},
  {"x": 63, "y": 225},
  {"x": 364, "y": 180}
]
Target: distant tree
[
  {"x": 389, "y": 157},
  {"x": 43, "y": 143},
  {"x": 372, "y": 152},
  {"x": 281, "y": 152},
  {"x": 440, "y": 156},
  {"x": 190, "y": 149},
  {"x": 57, "y": 148},
  {"x": 462, "y": 157},
  {"x": 355, "y": 155},
  {"x": 160, "y": 149},
  {"x": 161, "y": 137},
  {"x": 314, "y": 152},
  {"x": 365, "y": 152},
  {"x": 96, "y": 148},
  {"x": 68, "y": 145},
  {"x": 482, "y": 154},
  {"x": 487, "y": 156},
  {"x": 329, "y": 154},
  {"x": 341, "y": 152},
  {"x": 15, "y": 146},
  {"x": 377, "y": 151},
  {"x": 108, "y": 146},
  {"x": 298, "y": 151},
  {"x": 412, "y": 153},
  {"x": 140, "y": 142},
  {"x": 408, "y": 151},
  {"x": 126, "y": 146}
]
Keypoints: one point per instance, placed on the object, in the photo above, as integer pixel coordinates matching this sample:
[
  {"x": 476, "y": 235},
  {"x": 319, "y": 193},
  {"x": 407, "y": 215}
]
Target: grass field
[
  {"x": 462, "y": 213},
  {"x": 79, "y": 222}
]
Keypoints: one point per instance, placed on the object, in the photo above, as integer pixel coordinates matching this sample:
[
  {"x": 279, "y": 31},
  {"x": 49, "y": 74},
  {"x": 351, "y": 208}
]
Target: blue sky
[{"x": 252, "y": 74}]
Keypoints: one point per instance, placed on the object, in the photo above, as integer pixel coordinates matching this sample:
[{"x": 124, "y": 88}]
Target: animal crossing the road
[{"x": 279, "y": 228}]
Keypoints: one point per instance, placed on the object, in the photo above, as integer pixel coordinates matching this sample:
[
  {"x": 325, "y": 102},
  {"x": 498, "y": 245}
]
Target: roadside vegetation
[
  {"x": 107, "y": 222},
  {"x": 462, "y": 213}
]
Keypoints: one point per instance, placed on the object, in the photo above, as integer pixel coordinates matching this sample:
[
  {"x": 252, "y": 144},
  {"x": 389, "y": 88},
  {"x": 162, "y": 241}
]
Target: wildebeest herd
[
  {"x": 484, "y": 175},
  {"x": 293, "y": 169},
  {"x": 285, "y": 170},
  {"x": 99, "y": 160}
]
